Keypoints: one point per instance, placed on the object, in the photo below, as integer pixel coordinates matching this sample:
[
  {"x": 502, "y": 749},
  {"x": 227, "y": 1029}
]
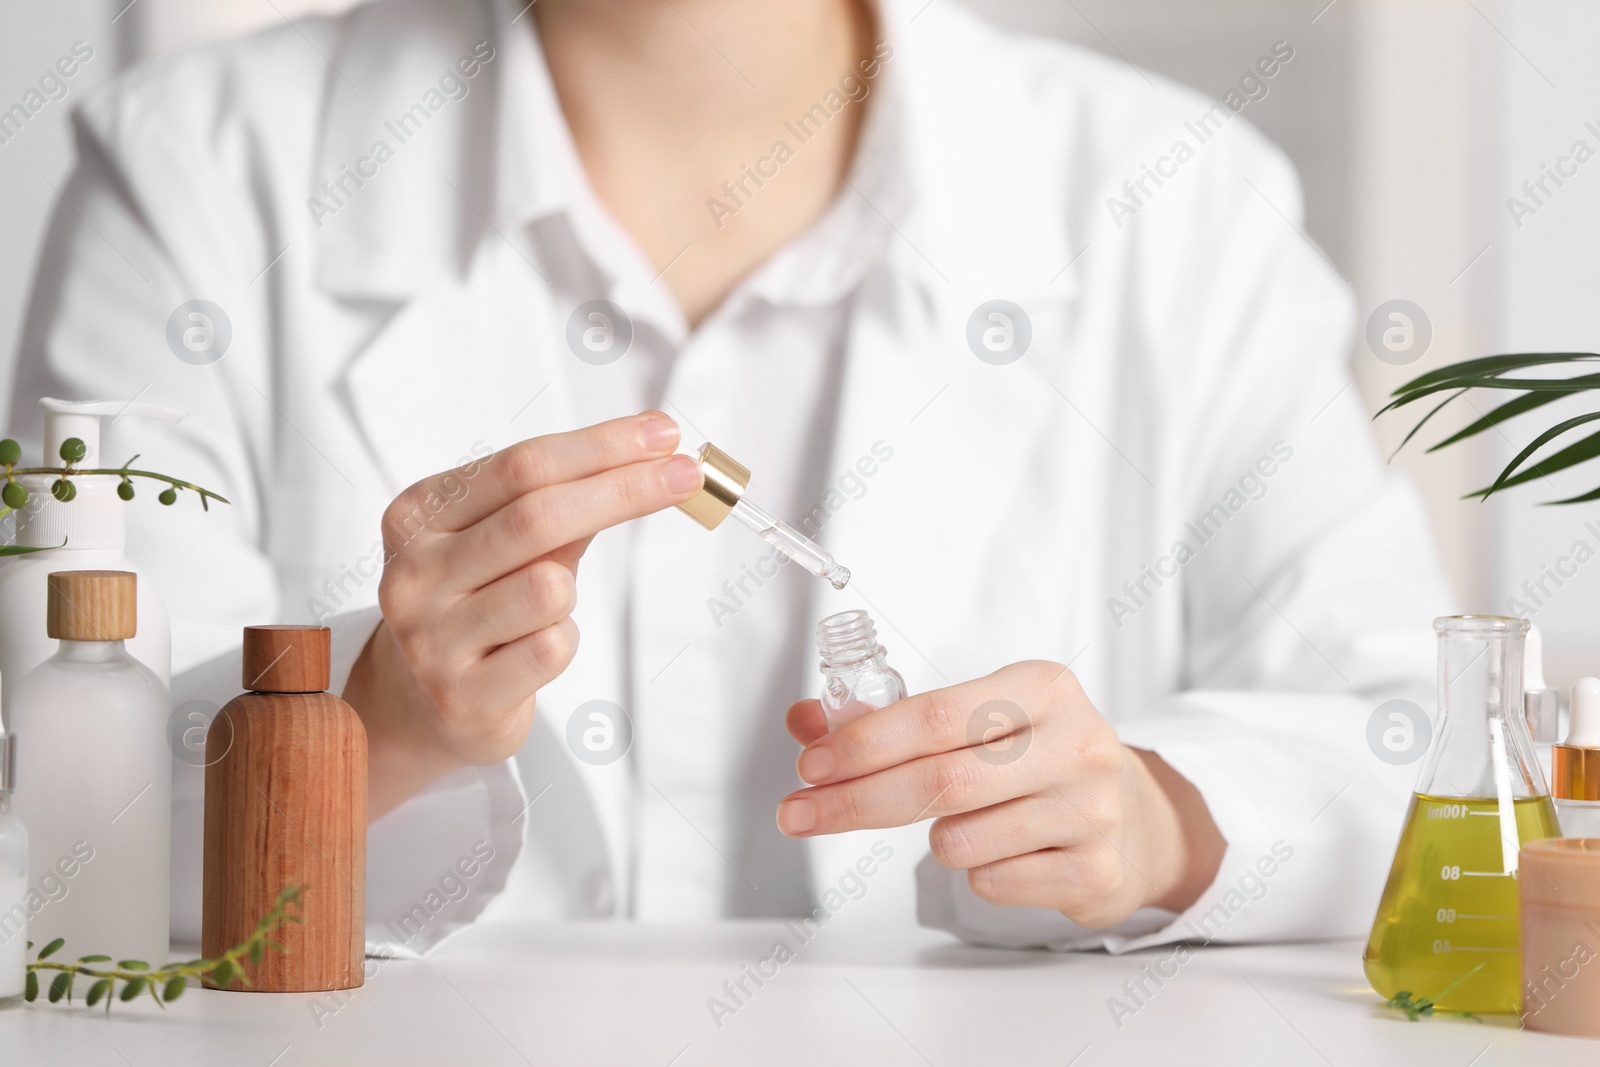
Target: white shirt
[
  {"x": 756, "y": 378},
  {"x": 1183, "y": 385}
]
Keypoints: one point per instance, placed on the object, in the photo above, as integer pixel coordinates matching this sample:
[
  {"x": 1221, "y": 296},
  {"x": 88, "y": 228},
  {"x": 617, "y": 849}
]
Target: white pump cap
[
  {"x": 81, "y": 419},
  {"x": 1584, "y": 729},
  {"x": 95, "y": 518}
]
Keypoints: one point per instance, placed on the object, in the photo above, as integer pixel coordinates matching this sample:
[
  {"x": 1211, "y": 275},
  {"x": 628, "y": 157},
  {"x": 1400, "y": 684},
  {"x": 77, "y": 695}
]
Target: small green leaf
[
  {"x": 169, "y": 496},
  {"x": 73, "y": 449},
  {"x": 10, "y": 452},
  {"x": 60, "y": 985},
  {"x": 63, "y": 490},
  {"x": 52, "y": 948},
  {"x": 14, "y": 496},
  {"x": 134, "y": 965},
  {"x": 125, "y": 489},
  {"x": 94, "y": 959},
  {"x": 98, "y": 991},
  {"x": 134, "y": 987},
  {"x": 175, "y": 988},
  {"x": 30, "y": 990},
  {"x": 222, "y": 975}
]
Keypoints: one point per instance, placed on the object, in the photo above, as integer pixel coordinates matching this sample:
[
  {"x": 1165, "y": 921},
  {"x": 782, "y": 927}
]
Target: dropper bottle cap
[
  {"x": 1575, "y": 764},
  {"x": 1541, "y": 705},
  {"x": 722, "y": 494},
  {"x": 724, "y": 481}
]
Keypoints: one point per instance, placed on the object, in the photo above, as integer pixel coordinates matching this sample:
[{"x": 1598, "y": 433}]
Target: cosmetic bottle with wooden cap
[
  {"x": 286, "y": 804},
  {"x": 94, "y": 775}
]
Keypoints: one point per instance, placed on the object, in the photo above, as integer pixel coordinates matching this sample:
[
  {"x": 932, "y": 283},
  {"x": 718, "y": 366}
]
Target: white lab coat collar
[{"x": 944, "y": 207}]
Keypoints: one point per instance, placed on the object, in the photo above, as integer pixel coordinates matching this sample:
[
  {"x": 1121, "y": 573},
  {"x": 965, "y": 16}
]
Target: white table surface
[{"x": 583, "y": 994}]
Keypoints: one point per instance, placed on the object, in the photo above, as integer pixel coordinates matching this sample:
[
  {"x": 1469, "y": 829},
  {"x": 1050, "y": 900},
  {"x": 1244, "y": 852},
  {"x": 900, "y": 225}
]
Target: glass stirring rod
[{"x": 723, "y": 495}]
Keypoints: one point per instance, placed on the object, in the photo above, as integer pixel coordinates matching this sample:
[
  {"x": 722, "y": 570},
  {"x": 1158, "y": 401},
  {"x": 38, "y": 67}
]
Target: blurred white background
[{"x": 1411, "y": 121}]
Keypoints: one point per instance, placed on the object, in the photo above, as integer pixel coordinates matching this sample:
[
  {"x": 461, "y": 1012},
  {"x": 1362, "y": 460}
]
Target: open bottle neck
[{"x": 848, "y": 642}]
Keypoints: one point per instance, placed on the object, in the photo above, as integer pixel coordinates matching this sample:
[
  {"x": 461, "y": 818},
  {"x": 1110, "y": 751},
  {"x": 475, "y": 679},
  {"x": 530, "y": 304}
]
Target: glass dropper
[{"x": 723, "y": 495}]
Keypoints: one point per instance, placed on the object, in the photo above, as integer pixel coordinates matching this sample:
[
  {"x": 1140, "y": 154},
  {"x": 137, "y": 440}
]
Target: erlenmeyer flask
[{"x": 1447, "y": 925}]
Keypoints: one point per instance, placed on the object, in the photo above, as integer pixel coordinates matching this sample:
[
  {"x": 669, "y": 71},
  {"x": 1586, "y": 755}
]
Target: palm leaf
[
  {"x": 1492, "y": 365},
  {"x": 1570, "y": 456},
  {"x": 1509, "y": 410},
  {"x": 1495, "y": 372},
  {"x": 1584, "y": 498}
]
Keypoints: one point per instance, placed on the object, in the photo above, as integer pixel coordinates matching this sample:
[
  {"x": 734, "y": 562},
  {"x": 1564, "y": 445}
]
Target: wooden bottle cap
[
  {"x": 286, "y": 659},
  {"x": 91, "y": 605}
]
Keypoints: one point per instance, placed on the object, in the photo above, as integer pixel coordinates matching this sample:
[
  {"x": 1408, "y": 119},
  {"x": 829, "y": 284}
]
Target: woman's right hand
[{"x": 477, "y": 595}]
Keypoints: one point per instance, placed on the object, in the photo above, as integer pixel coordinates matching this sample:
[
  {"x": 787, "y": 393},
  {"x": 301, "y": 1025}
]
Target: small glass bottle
[
  {"x": 13, "y": 886},
  {"x": 857, "y": 676}
]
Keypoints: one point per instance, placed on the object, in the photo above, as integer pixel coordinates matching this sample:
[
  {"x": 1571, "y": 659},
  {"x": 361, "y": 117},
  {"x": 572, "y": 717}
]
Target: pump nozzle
[
  {"x": 94, "y": 518},
  {"x": 64, "y": 419}
]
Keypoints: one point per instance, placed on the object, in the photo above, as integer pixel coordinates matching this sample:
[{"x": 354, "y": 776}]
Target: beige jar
[{"x": 1559, "y": 889}]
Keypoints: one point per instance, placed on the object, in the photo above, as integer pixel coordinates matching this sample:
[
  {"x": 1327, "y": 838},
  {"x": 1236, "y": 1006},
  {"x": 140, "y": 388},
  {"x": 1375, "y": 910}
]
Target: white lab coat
[{"x": 1187, "y": 360}]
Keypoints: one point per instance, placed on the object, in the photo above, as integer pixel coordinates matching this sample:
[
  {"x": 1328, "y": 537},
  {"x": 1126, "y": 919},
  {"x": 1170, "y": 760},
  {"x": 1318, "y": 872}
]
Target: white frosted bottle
[
  {"x": 94, "y": 775},
  {"x": 13, "y": 887}
]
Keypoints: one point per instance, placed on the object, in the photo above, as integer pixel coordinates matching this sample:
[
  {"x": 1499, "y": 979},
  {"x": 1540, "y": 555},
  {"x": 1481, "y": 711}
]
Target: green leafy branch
[
  {"x": 1416, "y": 1007},
  {"x": 164, "y": 984},
  {"x": 15, "y": 495},
  {"x": 1493, "y": 372}
]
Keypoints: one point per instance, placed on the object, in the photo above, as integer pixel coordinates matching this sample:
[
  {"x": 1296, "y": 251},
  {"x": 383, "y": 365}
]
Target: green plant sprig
[
  {"x": 164, "y": 984},
  {"x": 1491, "y": 372},
  {"x": 1416, "y": 1007},
  {"x": 14, "y": 495}
]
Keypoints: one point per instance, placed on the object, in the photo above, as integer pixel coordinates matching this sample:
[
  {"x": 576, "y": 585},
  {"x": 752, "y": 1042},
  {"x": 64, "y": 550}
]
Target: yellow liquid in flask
[{"x": 1450, "y": 909}]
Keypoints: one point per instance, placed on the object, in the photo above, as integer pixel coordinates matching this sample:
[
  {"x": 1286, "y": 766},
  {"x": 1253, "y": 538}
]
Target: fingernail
[
  {"x": 682, "y": 474},
  {"x": 796, "y": 817},
  {"x": 660, "y": 433},
  {"x": 816, "y": 765}
]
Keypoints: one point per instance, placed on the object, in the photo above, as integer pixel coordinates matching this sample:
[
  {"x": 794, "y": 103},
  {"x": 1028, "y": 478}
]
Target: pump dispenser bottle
[
  {"x": 855, "y": 668},
  {"x": 13, "y": 885},
  {"x": 286, "y": 804},
  {"x": 93, "y": 527},
  {"x": 1575, "y": 770},
  {"x": 94, "y": 774}
]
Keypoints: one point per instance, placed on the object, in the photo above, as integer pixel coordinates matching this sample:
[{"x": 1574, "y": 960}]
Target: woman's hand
[
  {"x": 478, "y": 587},
  {"x": 1030, "y": 790}
]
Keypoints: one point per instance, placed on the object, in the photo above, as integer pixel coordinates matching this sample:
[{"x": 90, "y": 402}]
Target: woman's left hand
[{"x": 1030, "y": 791}]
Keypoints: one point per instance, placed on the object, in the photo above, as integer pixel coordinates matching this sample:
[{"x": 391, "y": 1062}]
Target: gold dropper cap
[
  {"x": 725, "y": 479},
  {"x": 1575, "y": 773}
]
